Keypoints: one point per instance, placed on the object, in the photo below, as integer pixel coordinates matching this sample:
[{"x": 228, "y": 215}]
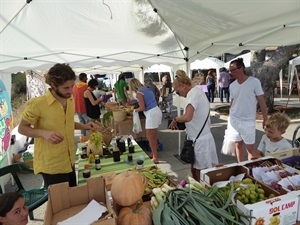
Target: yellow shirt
[{"x": 46, "y": 112}]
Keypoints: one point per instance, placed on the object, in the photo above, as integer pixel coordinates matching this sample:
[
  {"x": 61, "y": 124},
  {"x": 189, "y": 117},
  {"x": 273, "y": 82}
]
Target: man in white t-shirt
[{"x": 245, "y": 92}]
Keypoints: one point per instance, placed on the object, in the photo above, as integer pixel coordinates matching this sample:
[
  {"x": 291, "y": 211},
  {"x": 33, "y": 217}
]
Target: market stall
[
  {"x": 256, "y": 192},
  {"x": 108, "y": 165}
]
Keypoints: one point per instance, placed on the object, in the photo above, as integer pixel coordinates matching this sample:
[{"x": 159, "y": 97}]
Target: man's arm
[
  {"x": 26, "y": 129},
  {"x": 263, "y": 108}
]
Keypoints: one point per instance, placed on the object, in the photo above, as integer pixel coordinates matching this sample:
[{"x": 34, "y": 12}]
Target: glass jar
[{"x": 140, "y": 164}]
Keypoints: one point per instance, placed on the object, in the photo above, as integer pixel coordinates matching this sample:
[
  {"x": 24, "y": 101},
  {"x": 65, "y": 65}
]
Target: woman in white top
[{"x": 194, "y": 117}]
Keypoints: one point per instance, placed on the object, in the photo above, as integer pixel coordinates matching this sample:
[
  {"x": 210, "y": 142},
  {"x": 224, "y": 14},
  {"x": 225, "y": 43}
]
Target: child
[{"x": 272, "y": 140}]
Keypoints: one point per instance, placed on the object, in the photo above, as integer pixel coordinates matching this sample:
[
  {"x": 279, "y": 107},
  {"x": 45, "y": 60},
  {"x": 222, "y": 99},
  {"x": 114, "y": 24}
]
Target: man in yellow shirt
[{"x": 50, "y": 120}]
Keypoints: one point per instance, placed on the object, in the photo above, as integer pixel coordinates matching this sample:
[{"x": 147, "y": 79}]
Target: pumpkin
[
  {"x": 127, "y": 188},
  {"x": 138, "y": 215}
]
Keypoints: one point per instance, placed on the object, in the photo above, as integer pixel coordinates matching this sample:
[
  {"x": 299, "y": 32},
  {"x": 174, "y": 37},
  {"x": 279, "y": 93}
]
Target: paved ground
[{"x": 170, "y": 139}]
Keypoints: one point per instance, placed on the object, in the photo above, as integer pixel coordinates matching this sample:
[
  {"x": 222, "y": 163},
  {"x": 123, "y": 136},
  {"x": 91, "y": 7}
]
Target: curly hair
[
  {"x": 278, "y": 121},
  {"x": 59, "y": 74}
]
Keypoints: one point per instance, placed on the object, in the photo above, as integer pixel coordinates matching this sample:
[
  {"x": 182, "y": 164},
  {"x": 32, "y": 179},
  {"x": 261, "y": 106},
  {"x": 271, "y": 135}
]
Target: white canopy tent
[
  {"x": 93, "y": 34},
  {"x": 35, "y": 34},
  {"x": 215, "y": 27},
  {"x": 87, "y": 34},
  {"x": 208, "y": 63}
]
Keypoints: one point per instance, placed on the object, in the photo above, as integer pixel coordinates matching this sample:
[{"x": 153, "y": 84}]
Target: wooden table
[{"x": 108, "y": 165}]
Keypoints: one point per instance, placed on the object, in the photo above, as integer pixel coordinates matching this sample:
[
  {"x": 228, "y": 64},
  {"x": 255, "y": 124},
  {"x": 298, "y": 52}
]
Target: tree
[{"x": 267, "y": 71}]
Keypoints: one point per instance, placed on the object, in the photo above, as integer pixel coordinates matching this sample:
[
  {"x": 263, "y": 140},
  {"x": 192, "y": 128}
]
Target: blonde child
[{"x": 272, "y": 140}]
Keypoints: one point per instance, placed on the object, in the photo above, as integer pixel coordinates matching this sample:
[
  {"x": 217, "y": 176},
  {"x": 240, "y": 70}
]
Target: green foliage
[
  {"x": 19, "y": 83},
  {"x": 18, "y": 89}
]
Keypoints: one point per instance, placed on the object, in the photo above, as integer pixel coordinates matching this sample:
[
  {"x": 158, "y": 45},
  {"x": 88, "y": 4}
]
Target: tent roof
[
  {"x": 207, "y": 63},
  {"x": 215, "y": 27},
  {"x": 94, "y": 33},
  {"x": 90, "y": 34}
]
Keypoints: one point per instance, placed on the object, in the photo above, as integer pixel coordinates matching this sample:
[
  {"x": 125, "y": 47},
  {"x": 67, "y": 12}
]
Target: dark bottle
[
  {"x": 97, "y": 162},
  {"x": 83, "y": 152},
  {"x": 131, "y": 148},
  {"x": 122, "y": 146},
  {"x": 129, "y": 141},
  {"x": 116, "y": 153}
]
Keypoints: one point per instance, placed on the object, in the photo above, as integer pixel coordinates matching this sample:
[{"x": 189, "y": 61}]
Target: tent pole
[{"x": 179, "y": 105}]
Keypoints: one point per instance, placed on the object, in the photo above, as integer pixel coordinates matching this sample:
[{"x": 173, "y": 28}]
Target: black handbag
[{"x": 187, "y": 154}]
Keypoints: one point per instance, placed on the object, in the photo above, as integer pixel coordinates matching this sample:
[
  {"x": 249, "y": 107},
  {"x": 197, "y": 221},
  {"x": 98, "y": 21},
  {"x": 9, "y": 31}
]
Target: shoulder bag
[{"x": 187, "y": 154}]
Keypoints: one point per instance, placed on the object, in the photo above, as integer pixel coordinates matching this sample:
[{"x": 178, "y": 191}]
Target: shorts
[
  {"x": 153, "y": 118},
  {"x": 241, "y": 130}
]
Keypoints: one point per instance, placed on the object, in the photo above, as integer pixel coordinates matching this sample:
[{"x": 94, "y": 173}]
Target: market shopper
[
  {"x": 92, "y": 104},
  {"x": 78, "y": 90},
  {"x": 245, "y": 92},
  {"x": 120, "y": 86},
  {"x": 211, "y": 85},
  {"x": 273, "y": 140},
  {"x": 194, "y": 117},
  {"x": 167, "y": 95},
  {"x": 13, "y": 210},
  {"x": 224, "y": 82},
  {"x": 50, "y": 120},
  {"x": 149, "y": 83},
  {"x": 148, "y": 105}
]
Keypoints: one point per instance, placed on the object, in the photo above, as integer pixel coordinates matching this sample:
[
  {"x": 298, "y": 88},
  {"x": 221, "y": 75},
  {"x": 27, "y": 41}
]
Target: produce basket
[
  {"x": 119, "y": 115},
  {"x": 110, "y": 106}
]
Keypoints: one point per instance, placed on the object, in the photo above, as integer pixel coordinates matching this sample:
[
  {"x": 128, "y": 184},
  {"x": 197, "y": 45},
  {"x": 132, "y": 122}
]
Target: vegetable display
[
  {"x": 127, "y": 188},
  {"x": 96, "y": 138},
  {"x": 155, "y": 178},
  {"x": 192, "y": 204},
  {"x": 139, "y": 214}
]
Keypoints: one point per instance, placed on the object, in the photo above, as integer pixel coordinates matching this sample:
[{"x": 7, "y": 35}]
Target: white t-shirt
[
  {"x": 244, "y": 98},
  {"x": 198, "y": 100},
  {"x": 266, "y": 146},
  {"x": 205, "y": 147}
]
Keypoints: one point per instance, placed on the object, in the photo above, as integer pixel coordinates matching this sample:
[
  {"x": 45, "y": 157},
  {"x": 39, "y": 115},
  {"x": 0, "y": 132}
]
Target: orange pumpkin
[
  {"x": 138, "y": 215},
  {"x": 127, "y": 188}
]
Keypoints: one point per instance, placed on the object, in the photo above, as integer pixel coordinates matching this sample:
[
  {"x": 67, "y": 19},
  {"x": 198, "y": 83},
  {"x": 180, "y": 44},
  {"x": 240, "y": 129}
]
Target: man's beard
[{"x": 58, "y": 93}]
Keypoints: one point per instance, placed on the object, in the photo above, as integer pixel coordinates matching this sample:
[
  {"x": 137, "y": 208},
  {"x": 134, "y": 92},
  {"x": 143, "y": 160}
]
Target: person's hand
[
  {"x": 52, "y": 137},
  {"x": 173, "y": 125},
  {"x": 92, "y": 126}
]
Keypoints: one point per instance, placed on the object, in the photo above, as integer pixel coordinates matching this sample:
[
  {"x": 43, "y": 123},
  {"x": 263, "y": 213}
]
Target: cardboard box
[
  {"x": 219, "y": 173},
  {"x": 108, "y": 179},
  {"x": 283, "y": 154},
  {"x": 65, "y": 201},
  {"x": 283, "y": 209}
]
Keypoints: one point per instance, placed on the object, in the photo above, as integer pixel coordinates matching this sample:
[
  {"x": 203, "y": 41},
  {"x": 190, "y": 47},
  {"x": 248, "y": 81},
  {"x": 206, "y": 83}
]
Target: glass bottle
[
  {"x": 116, "y": 153},
  {"x": 97, "y": 162},
  {"x": 91, "y": 158}
]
